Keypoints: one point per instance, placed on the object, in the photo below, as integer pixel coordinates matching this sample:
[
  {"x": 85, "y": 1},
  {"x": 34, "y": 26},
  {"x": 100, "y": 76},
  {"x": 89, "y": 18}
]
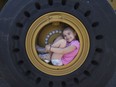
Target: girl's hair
[{"x": 69, "y": 28}]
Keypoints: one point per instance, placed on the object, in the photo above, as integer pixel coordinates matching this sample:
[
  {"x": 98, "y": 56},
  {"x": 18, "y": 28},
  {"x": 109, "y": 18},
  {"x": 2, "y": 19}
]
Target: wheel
[
  {"x": 113, "y": 4},
  {"x": 25, "y": 23}
]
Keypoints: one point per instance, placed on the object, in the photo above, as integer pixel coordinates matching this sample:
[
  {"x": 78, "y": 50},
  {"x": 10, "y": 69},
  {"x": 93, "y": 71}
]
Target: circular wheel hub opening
[{"x": 45, "y": 30}]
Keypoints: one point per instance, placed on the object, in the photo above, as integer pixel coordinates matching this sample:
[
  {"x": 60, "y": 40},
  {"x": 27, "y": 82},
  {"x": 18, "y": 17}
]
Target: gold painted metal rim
[
  {"x": 50, "y": 18},
  {"x": 112, "y": 3}
]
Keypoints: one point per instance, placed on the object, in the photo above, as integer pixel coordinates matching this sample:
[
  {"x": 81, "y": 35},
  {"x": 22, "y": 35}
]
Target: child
[{"x": 64, "y": 49}]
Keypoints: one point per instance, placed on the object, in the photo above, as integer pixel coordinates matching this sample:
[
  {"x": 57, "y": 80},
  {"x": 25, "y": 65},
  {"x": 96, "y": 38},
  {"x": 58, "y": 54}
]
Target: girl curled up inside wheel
[{"x": 62, "y": 51}]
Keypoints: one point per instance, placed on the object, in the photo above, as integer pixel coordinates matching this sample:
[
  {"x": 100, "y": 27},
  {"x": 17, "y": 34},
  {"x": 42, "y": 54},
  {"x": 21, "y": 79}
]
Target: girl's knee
[
  {"x": 63, "y": 43},
  {"x": 60, "y": 43},
  {"x": 58, "y": 38}
]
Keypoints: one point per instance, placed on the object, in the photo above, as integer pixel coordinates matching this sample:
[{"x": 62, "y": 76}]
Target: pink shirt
[{"x": 67, "y": 58}]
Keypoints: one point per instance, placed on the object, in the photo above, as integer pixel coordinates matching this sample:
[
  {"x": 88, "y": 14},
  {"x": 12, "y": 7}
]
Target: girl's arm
[{"x": 63, "y": 50}]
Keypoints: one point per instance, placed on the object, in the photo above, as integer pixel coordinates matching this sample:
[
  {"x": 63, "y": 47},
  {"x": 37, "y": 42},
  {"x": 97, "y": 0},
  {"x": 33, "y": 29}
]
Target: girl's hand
[{"x": 48, "y": 48}]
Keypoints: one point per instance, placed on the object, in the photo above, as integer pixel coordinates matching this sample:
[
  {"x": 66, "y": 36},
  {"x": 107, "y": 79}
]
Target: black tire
[{"x": 17, "y": 16}]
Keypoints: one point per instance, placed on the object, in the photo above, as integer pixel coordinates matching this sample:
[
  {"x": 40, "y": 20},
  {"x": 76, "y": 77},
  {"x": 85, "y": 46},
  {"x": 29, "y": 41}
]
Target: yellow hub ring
[{"x": 50, "y": 18}]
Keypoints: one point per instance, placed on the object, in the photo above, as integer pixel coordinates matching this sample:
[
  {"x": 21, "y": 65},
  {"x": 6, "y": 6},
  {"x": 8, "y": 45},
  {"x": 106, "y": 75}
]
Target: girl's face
[{"x": 68, "y": 35}]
